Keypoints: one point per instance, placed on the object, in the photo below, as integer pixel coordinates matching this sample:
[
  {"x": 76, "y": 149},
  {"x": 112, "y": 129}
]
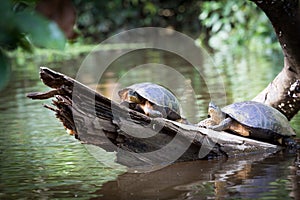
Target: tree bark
[
  {"x": 283, "y": 93},
  {"x": 95, "y": 119}
]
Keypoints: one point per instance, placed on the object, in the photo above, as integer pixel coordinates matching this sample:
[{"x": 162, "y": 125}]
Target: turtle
[
  {"x": 151, "y": 99},
  {"x": 251, "y": 119}
]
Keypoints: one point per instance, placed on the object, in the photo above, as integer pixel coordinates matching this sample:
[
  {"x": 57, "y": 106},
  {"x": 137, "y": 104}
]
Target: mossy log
[{"x": 94, "y": 119}]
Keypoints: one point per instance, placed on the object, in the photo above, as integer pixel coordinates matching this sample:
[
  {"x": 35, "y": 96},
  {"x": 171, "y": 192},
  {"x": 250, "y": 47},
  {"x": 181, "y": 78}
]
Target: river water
[{"x": 39, "y": 160}]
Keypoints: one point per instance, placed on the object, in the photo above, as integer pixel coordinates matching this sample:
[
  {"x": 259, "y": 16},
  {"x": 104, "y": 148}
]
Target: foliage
[
  {"x": 224, "y": 26},
  {"x": 22, "y": 27},
  {"x": 98, "y": 20},
  {"x": 232, "y": 24}
]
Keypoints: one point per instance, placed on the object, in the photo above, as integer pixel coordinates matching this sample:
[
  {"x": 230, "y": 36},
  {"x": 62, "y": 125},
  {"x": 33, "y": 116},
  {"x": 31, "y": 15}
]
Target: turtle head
[
  {"x": 133, "y": 97},
  {"x": 215, "y": 113}
]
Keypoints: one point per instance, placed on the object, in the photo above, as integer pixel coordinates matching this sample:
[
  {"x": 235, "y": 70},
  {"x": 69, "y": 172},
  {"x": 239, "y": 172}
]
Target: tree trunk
[
  {"x": 283, "y": 92},
  {"x": 94, "y": 119}
]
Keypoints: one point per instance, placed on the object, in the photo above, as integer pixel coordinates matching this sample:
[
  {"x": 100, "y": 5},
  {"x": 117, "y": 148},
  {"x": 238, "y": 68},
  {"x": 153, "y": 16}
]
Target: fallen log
[{"x": 138, "y": 139}]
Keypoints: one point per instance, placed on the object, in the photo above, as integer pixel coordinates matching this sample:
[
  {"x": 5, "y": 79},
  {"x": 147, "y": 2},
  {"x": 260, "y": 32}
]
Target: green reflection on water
[{"x": 278, "y": 189}]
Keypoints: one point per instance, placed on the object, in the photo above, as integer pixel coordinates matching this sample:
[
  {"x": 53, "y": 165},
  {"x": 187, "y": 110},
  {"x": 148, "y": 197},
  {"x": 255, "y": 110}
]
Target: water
[{"x": 40, "y": 161}]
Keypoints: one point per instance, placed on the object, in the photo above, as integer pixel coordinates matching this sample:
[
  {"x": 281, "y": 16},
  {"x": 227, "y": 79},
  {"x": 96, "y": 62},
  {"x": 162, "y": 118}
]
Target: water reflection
[
  {"x": 251, "y": 177},
  {"x": 40, "y": 161}
]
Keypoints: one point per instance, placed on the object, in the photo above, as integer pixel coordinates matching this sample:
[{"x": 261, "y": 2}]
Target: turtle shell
[
  {"x": 158, "y": 96},
  {"x": 260, "y": 116}
]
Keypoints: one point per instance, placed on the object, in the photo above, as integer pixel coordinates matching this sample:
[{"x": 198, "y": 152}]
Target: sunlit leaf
[
  {"x": 213, "y": 19},
  {"x": 216, "y": 26},
  {"x": 203, "y": 15},
  {"x": 150, "y": 8}
]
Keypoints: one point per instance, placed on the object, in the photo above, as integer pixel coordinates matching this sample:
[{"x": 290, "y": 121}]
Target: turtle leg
[
  {"x": 206, "y": 123},
  {"x": 184, "y": 121},
  {"x": 224, "y": 125},
  {"x": 154, "y": 113},
  {"x": 133, "y": 106}
]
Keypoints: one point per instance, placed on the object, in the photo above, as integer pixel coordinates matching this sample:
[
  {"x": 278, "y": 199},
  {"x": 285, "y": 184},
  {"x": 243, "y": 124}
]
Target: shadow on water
[
  {"x": 39, "y": 160},
  {"x": 236, "y": 178}
]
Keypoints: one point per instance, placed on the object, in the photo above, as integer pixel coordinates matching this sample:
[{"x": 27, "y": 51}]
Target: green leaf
[
  {"x": 204, "y": 14},
  {"x": 41, "y": 32},
  {"x": 216, "y": 26}
]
